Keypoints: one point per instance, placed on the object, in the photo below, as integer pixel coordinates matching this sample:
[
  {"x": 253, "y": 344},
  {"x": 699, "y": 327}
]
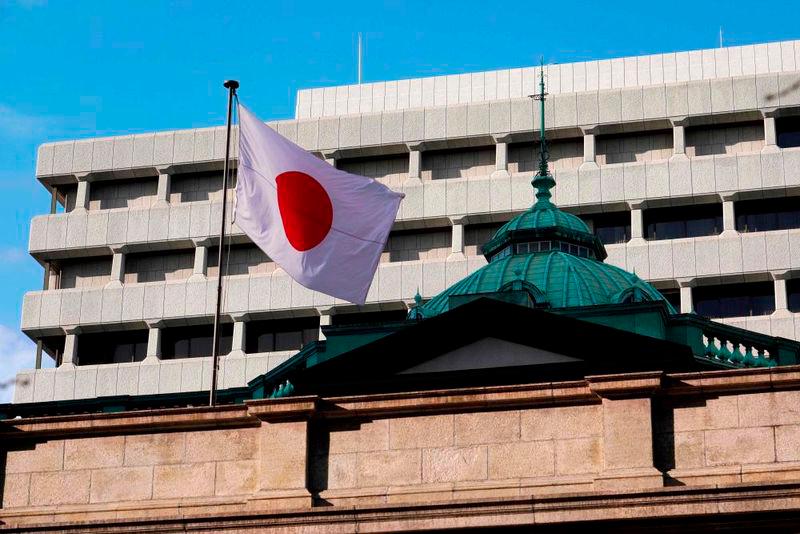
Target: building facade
[{"x": 685, "y": 165}]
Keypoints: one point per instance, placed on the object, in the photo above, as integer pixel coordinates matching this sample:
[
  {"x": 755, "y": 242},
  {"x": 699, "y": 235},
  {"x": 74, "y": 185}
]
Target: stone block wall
[
  {"x": 466, "y": 453},
  {"x": 631, "y": 432},
  {"x": 731, "y": 438}
]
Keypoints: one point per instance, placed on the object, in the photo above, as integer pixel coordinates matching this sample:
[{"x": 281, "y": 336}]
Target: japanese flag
[{"x": 323, "y": 226}]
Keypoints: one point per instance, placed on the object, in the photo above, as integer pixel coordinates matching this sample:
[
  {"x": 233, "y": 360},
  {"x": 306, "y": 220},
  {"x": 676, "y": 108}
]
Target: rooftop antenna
[
  {"x": 720, "y": 37},
  {"x": 359, "y": 58},
  {"x": 543, "y": 181}
]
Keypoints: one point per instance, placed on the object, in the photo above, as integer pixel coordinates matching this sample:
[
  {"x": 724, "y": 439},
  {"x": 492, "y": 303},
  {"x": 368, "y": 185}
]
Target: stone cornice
[
  {"x": 693, "y": 506},
  {"x": 587, "y": 391}
]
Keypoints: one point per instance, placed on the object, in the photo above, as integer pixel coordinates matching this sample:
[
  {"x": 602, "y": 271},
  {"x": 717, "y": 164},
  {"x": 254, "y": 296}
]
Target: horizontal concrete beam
[
  {"x": 624, "y": 109},
  {"x": 142, "y": 378},
  {"x": 431, "y": 203},
  {"x": 736, "y": 257},
  {"x": 618, "y": 73}
]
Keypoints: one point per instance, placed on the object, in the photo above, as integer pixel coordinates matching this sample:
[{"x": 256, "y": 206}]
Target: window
[
  {"x": 53, "y": 346},
  {"x": 612, "y": 228},
  {"x": 686, "y": 221},
  {"x": 767, "y": 214},
  {"x": 788, "y": 129},
  {"x": 194, "y": 341},
  {"x": 673, "y": 296},
  {"x": 112, "y": 347},
  {"x": 280, "y": 334},
  {"x": 735, "y": 300},
  {"x": 793, "y": 294}
]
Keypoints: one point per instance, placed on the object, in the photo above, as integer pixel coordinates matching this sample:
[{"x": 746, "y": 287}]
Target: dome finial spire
[{"x": 543, "y": 181}]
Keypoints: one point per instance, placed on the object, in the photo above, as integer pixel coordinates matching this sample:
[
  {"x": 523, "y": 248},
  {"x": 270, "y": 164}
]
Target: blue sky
[{"x": 76, "y": 69}]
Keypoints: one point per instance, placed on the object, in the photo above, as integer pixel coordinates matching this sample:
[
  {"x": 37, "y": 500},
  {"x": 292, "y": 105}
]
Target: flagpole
[{"x": 231, "y": 86}]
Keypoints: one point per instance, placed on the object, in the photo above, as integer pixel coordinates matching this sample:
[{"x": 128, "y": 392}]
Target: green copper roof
[
  {"x": 545, "y": 221},
  {"x": 548, "y": 253},
  {"x": 556, "y": 279}
]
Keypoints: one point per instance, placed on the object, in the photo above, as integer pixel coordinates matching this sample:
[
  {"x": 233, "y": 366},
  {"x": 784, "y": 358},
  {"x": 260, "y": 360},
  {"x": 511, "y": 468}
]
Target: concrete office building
[{"x": 684, "y": 164}]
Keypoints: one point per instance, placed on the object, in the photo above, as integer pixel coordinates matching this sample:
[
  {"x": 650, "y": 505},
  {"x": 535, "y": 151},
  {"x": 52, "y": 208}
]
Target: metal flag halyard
[{"x": 231, "y": 86}]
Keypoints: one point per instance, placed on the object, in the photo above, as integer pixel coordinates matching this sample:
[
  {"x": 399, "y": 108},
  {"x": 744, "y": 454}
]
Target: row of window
[
  {"x": 196, "y": 341},
  {"x": 737, "y": 300},
  {"x": 544, "y": 246},
  {"x": 720, "y": 301},
  {"x": 676, "y": 222}
]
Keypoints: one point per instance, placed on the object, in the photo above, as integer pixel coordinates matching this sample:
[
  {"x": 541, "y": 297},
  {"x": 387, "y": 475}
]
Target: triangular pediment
[{"x": 488, "y": 353}]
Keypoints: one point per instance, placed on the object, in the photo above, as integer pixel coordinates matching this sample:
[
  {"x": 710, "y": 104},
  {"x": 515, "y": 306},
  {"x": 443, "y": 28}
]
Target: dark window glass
[
  {"x": 788, "y": 129},
  {"x": 686, "y": 221},
  {"x": 673, "y": 296},
  {"x": 612, "y": 228},
  {"x": 194, "y": 341},
  {"x": 767, "y": 214},
  {"x": 735, "y": 300},
  {"x": 280, "y": 334},
  {"x": 793, "y": 294},
  {"x": 112, "y": 347}
]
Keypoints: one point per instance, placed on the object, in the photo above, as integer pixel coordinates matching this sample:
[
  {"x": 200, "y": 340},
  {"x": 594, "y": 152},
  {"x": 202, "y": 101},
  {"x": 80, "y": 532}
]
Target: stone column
[
  {"x": 154, "y": 341},
  {"x": 589, "y": 146},
  {"x": 781, "y": 295},
  {"x": 679, "y": 137},
  {"x": 83, "y": 195},
  {"x": 687, "y": 304},
  {"x": 728, "y": 215},
  {"x": 457, "y": 240},
  {"x": 239, "y": 335},
  {"x": 70, "y": 355},
  {"x": 54, "y": 277},
  {"x": 117, "y": 266},
  {"x": 637, "y": 223},
  {"x": 414, "y": 162},
  {"x": 770, "y": 131},
  {"x": 627, "y": 430},
  {"x": 325, "y": 319},
  {"x": 501, "y": 156},
  {"x": 164, "y": 185},
  {"x": 200, "y": 270}
]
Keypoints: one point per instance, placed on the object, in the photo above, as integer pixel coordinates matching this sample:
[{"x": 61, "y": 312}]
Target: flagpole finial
[{"x": 231, "y": 84}]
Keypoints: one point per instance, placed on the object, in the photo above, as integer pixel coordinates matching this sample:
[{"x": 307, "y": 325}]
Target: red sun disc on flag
[{"x": 306, "y": 209}]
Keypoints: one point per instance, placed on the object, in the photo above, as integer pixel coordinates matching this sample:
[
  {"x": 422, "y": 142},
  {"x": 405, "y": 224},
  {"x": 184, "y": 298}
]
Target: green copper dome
[
  {"x": 544, "y": 221},
  {"x": 553, "y": 279},
  {"x": 545, "y": 257}
]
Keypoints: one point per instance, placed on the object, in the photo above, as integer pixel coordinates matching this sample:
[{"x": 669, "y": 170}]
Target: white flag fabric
[{"x": 326, "y": 228}]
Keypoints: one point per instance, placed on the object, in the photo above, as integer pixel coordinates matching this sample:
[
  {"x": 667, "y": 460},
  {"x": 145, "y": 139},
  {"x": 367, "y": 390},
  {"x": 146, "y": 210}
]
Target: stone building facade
[
  {"x": 667, "y": 452},
  {"x": 685, "y": 164}
]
